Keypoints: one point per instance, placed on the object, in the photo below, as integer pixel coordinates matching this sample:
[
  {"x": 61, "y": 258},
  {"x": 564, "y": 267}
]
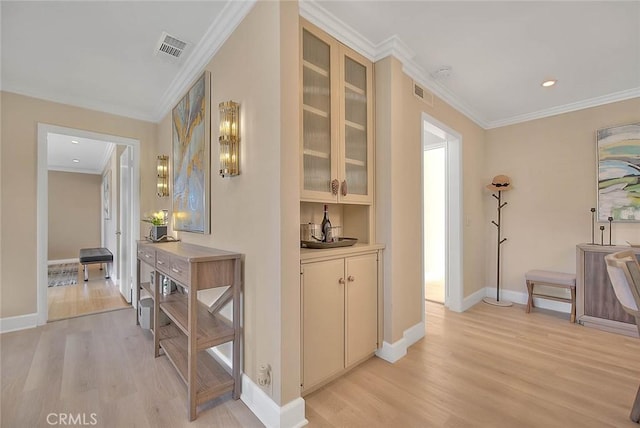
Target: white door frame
[
  {"x": 42, "y": 207},
  {"x": 454, "y": 285}
]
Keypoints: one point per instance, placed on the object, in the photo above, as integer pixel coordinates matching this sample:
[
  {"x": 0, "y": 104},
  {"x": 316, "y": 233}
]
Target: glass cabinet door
[
  {"x": 316, "y": 110},
  {"x": 355, "y": 129}
]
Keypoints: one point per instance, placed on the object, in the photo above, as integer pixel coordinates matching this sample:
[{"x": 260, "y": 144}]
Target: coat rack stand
[{"x": 491, "y": 300}]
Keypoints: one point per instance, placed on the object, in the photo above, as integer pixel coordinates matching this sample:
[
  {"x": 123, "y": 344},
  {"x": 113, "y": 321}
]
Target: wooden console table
[
  {"x": 597, "y": 305},
  {"x": 194, "y": 327}
]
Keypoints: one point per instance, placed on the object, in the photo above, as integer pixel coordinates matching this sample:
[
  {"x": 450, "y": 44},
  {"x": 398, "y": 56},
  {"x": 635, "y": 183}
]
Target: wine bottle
[{"x": 326, "y": 224}]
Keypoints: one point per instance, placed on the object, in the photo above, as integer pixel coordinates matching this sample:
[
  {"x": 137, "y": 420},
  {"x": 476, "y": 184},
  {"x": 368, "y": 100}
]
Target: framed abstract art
[
  {"x": 619, "y": 173},
  {"x": 191, "y": 147}
]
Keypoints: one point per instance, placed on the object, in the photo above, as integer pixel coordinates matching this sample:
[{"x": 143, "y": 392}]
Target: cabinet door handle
[
  {"x": 341, "y": 281},
  {"x": 160, "y": 262},
  {"x": 147, "y": 256},
  {"x": 344, "y": 188},
  {"x": 351, "y": 278},
  {"x": 175, "y": 270},
  {"x": 335, "y": 184}
]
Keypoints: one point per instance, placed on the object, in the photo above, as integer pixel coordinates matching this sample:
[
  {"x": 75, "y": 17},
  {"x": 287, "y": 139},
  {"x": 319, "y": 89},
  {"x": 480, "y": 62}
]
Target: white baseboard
[
  {"x": 473, "y": 299},
  {"x": 522, "y": 297},
  {"x": 392, "y": 352},
  {"x": 62, "y": 261},
  {"x": 291, "y": 415},
  {"x": 21, "y": 322}
]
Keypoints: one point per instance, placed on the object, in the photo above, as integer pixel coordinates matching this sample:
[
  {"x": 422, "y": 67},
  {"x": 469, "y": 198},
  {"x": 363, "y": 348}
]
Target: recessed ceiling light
[
  {"x": 549, "y": 82},
  {"x": 76, "y": 160},
  {"x": 74, "y": 142}
]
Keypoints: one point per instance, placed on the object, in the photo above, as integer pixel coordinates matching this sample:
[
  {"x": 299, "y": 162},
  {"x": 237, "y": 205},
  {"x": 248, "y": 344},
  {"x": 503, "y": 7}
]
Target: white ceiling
[
  {"x": 92, "y": 155},
  {"x": 100, "y": 54}
]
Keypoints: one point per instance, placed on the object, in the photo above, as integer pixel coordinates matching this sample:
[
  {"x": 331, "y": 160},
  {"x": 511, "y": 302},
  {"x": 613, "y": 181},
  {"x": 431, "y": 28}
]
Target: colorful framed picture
[
  {"x": 619, "y": 173},
  {"x": 191, "y": 141}
]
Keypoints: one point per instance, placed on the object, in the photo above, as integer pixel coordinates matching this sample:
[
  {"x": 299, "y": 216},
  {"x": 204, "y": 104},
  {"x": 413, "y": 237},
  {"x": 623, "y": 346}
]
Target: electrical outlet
[{"x": 264, "y": 375}]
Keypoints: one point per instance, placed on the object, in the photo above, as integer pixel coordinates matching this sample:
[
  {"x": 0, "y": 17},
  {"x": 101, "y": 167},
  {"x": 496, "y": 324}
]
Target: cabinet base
[{"x": 609, "y": 325}]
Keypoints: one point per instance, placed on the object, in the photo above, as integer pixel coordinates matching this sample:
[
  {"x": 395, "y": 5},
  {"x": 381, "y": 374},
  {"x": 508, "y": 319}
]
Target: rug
[{"x": 63, "y": 274}]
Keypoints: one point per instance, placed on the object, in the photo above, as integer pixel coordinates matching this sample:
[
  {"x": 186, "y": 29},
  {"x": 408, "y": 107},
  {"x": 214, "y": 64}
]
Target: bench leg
[
  {"x": 107, "y": 271},
  {"x": 530, "y": 299},
  {"x": 573, "y": 304},
  {"x": 86, "y": 273}
]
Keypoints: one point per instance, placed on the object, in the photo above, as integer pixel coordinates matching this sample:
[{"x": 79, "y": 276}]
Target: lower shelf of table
[{"x": 212, "y": 380}]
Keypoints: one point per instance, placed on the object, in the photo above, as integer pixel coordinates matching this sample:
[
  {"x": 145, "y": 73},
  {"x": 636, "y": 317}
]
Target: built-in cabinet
[
  {"x": 180, "y": 271},
  {"x": 337, "y": 121},
  {"x": 340, "y": 296}
]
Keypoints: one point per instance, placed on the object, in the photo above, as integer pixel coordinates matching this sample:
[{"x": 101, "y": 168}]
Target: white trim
[
  {"x": 392, "y": 352},
  {"x": 521, "y": 298},
  {"x": 62, "y": 261},
  {"x": 42, "y": 211},
  {"x": 454, "y": 276},
  {"x": 21, "y": 322},
  {"x": 74, "y": 170},
  {"x": 474, "y": 298},
  {"x": 580, "y": 105},
  {"x": 291, "y": 415},
  {"x": 319, "y": 16},
  {"x": 219, "y": 31},
  {"x": 107, "y": 158}
]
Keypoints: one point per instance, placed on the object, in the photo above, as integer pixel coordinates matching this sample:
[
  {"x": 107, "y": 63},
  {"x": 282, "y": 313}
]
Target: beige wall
[
  {"x": 552, "y": 164},
  {"x": 20, "y": 117},
  {"x": 74, "y": 213},
  {"x": 256, "y": 213},
  {"x": 399, "y": 196}
]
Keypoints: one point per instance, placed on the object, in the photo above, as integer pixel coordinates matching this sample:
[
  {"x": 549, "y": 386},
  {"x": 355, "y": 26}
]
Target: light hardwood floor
[
  {"x": 487, "y": 367},
  {"x": 94, "y": 296},
  {"x": 101, "y": 364},
  {"x": 490, "y": 367}
]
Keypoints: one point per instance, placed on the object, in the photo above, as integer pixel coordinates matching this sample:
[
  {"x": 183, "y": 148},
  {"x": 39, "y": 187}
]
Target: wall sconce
[
  {"x": 163, "y": 175},
  {"x": 229, "y": 138}
]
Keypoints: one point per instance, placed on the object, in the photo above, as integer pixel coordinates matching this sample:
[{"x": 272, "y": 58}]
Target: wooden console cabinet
[
  {"x": 194, "y": 327},
  {"x": 596, "y": 302}
]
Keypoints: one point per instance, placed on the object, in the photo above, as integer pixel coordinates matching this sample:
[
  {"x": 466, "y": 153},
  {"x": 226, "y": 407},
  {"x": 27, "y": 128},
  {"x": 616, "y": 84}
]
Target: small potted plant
[{"x": 159, "y": 225}]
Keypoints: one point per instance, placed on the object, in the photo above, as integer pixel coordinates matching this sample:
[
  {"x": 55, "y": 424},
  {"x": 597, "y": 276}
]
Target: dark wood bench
[{"x": 95, "y": 255}]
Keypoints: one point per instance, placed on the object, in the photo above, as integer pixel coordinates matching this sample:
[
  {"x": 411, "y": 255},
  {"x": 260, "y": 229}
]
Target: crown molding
[
  {"x": 319, "y": 16},
  {"x": 393, "y": 46},
  {"x": 73, "y": 170},
  {"x": 218, "y": 33},
  {"x": 567, "y": 108}
]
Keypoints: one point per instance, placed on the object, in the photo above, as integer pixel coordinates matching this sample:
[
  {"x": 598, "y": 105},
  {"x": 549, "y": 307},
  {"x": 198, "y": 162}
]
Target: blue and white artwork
[
  {"x": 191, "y": 151},
  {"x": 619, "y": 173}
]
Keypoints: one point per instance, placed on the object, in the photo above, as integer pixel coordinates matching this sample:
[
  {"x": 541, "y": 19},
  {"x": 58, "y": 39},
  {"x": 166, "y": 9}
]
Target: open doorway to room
[
  {"x": 79, "y": 208},
  {"x": 442, "y": 214},
  {"x": 434, "y": 218}
]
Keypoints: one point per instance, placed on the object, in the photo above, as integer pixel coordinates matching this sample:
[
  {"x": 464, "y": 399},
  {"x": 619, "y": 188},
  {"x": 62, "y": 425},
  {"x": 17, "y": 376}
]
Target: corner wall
[
  {"x": 552, "y": 165},
  {"x": 257, "y": 212},
  {"x": 399, "y": 194}
]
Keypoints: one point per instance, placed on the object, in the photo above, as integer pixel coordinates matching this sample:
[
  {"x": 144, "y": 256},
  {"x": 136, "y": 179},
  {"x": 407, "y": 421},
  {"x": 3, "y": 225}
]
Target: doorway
[
  {"x": 96, "y": 278},
  {"x": 442, "y": 214},
  {"x": 434, "y": 218}
]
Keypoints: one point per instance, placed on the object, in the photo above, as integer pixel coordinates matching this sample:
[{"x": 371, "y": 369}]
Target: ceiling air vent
[
  {"x": 422, "y": 94},
  {"x": 169, "y": 45}
]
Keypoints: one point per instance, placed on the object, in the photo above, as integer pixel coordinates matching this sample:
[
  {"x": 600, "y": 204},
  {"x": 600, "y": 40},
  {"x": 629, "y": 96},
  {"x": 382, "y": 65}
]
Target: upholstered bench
[
  {"x": 551, "y": 279},
  {"x": 95, "y": 255}
]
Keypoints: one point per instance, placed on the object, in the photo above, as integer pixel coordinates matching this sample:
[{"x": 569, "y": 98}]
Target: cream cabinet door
[
  {"x": 322, "y": 321},
  {"x": 361, "y": 307}
]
